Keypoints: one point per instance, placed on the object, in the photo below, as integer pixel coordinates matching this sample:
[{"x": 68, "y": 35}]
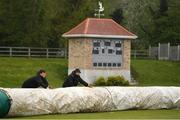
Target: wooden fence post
[
  {"x": 10, "y": 51},
  {"x": 134, "y": 54},
  {"x": 29, "y": 52},
  {"x": 178, "y": 56},
  {"x": 65, "y": 53},
  {"x": 47, "y": 53}
]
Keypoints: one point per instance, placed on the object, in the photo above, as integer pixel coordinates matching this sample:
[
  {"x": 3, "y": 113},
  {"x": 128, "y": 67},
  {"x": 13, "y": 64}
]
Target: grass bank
[
  {"x": 157, "y": 73},
  {"x": 13, "y": 71}
]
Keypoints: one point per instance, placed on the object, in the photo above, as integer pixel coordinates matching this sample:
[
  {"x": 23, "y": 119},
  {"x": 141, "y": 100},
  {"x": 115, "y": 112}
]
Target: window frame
[
  {"x": 119, "y": 51},
  {"x": 118, "y": 43},
  {"x": 114, "y": 64},
  {"x": 100, "y": 64},
  {"x": 96, "y": 42},
  {"x": 109, "y": 64},
  {"x": 108, "y": 44},
  {"x": 119, "y": 64},
  {"x": 96, "y": 49},
  {"x": 104, "y": 64},
  {"x": 95, "y": 64}
]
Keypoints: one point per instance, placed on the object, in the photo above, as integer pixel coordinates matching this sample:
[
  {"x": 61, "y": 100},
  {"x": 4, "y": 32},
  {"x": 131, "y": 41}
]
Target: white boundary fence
[
  {"x": 161, "y": 52},
  {"x": 33, "y": 52},
  {"x": 165, "y": 52}
]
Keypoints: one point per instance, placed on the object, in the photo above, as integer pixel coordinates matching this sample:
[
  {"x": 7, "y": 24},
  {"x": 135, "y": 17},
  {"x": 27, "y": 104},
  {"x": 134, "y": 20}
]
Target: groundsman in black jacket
[
  {"x": 74, "y": 78},
  {"x": 38, "y": 81}
]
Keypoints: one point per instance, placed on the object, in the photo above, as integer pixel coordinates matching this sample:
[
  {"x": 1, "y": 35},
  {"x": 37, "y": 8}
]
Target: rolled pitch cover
[{"x": 5, "y": 103}]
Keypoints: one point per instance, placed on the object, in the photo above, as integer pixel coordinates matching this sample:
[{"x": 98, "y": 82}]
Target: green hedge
[{"x": 111, "y": 81}]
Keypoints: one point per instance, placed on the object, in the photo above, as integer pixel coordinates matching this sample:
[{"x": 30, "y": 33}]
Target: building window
[
  {"x": 103, "y": 51},
  {"x": 119, "y": 64},
  {"x": 110, "y": 51},
  {"x": 95, "y": 51},
  {"x": 104, "y": 64},
  {"x": 96, "y": 44},
  {"x": 99, "y": 64},
  {"x": 118, "y": 45},
  {"x": 118, "y": 52},
  {"x": 107, "y": 43},
  {"x": 109, "y": 64},
  {"x": 114, "y": 64},
  {"x": 95, "y": 64}
]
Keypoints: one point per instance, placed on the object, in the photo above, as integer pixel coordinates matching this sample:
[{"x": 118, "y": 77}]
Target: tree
[
  {"x": 42, "y": 22},
  {"x": 117, "y": 15},
  {"x": 22, "y": 23},
  {"x": 166, "y": 23},
  {"x": 163, "y": 6}
]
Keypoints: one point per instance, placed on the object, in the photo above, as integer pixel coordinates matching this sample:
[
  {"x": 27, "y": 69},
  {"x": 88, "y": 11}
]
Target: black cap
[{"x": 77, "y": 70}]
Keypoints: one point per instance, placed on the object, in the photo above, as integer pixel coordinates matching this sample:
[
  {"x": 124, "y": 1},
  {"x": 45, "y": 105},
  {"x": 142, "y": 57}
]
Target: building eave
[{"x": 99, "y": 36}]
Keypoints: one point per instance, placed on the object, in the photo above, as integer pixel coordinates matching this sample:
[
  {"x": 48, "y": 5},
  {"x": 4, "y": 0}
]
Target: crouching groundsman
[
  {"x": 38, "y": 81},
  {"x": 74, "y": 78}
]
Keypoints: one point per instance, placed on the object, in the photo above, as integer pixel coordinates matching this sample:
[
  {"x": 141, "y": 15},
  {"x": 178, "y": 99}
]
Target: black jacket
[
  {"x": 35, "y": 82},
  {"x": 73, "y": 80}
]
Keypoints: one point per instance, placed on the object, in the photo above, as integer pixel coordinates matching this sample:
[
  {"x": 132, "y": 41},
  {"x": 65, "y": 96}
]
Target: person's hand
[
  {"x": 50, "y": 87},
  {"x": 90, "y": 86}
]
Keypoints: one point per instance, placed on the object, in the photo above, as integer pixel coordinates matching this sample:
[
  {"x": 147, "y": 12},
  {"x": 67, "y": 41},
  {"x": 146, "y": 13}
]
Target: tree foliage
[{"x": 41, "y": 23}]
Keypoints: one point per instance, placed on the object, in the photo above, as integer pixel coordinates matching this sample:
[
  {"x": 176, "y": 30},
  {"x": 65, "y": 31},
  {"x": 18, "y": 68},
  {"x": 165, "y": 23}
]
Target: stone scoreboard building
[{"x": 100, "y": 47}]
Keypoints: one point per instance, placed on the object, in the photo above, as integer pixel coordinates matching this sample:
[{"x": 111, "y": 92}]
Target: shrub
[
  {"x": 116, "y": 81},
  {"x": 126, "y": 83},
  {"x": 100, "y": 82},
  {"x": 112, "y": 81}
]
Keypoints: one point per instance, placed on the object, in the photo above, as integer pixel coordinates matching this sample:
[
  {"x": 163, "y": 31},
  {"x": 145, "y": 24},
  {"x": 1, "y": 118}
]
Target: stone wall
[
  {"x": 127, "y": 55},
  {"x": 80, "y": 53}
]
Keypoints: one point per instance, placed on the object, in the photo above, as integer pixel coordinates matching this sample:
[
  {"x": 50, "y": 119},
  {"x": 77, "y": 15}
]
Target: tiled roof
[{"x": 99, "y": 28}]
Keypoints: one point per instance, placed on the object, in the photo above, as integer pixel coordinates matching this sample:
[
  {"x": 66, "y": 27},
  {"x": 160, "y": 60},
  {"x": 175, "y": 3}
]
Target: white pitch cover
[{"x": 97, "y": 99}]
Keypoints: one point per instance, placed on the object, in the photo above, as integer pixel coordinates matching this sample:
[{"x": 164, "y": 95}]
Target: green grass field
[
  {"x": 157, "y": 73},
  {"x": 13, "y": 71},
  {"x": 132, "y": 114}
]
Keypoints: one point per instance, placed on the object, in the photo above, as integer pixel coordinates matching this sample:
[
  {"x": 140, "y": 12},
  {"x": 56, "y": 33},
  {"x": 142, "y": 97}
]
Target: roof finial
[{"x": 99, "y": 10}]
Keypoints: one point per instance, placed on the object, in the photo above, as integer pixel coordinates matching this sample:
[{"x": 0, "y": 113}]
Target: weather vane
[{"x": 99, "y": 10}]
